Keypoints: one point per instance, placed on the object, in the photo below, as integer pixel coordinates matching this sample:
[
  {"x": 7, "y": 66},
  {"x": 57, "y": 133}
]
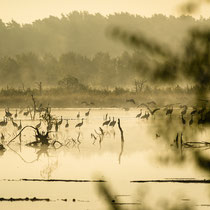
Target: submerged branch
[{"x": 27, "y": 126}]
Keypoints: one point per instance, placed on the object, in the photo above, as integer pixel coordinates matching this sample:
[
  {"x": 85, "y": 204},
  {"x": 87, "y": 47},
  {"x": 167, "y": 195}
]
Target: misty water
[{"x": 143, "y": 156}]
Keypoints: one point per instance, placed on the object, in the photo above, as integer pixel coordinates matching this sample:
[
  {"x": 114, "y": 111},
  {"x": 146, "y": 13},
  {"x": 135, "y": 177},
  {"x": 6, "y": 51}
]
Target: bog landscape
[{"x": 105, "y": 111}]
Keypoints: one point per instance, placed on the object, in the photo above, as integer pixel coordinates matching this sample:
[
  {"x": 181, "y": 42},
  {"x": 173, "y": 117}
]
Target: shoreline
[{"x": 78, "y": 100}]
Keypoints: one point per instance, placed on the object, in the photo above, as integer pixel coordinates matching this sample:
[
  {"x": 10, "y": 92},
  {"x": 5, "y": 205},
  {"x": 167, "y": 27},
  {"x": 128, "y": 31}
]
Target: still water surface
[{"x": 144, "y": 157}]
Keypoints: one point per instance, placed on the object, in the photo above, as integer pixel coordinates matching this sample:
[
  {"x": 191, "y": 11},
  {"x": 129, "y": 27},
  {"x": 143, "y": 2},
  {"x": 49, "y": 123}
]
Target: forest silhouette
[{"x": 79, "y": 44}]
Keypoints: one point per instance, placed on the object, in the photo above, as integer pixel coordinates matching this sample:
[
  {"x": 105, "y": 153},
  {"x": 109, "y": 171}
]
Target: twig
[
  {"x": 122, "y": 140},
  {"x": 53, "y": 144},
  {"x": 34, "y": 104},
  {"x": 27, "y": 126}
]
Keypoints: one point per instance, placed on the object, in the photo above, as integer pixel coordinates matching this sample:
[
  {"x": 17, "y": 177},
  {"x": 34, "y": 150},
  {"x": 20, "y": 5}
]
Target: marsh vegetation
[{"x": 105, "y": 108}]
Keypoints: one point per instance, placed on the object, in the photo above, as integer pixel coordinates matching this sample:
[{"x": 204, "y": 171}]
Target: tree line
[
  {"x": 81, "y": 46},
  {"x": 86, "y": 34}
]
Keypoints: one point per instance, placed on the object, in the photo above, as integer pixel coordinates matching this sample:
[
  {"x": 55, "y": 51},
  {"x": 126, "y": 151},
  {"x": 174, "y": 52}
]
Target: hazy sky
[{"x": 24, "y": 11}]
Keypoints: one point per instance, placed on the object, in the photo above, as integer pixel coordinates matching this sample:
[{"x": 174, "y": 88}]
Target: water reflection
[
  {"x": 169, "y": 129},
  {"x": 157, "y": 147},
  {"x": 143, "y": 200}
]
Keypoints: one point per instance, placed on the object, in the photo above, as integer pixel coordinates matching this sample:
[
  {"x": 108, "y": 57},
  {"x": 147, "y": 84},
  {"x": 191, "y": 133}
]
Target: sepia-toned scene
[{"x": 105, "y": 105}]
